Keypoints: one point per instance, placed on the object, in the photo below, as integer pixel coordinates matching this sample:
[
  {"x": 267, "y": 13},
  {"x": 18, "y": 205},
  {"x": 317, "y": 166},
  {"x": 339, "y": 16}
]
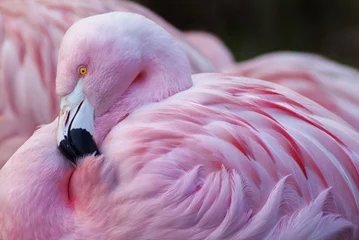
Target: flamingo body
[
  {"x": 230, "y": 158},
  {"x": 207, "y": 156}
]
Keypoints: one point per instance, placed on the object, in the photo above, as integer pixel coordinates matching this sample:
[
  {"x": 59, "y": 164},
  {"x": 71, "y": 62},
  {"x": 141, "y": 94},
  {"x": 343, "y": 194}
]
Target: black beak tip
[
  {"x": 82, "y": 142},
  {"x": 78, "y": 144},
  {"x": 67, "y": 151}
]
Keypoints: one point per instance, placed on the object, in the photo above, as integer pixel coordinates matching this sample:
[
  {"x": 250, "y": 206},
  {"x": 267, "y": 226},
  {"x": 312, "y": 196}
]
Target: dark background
[{"x": 253, "y": 27}]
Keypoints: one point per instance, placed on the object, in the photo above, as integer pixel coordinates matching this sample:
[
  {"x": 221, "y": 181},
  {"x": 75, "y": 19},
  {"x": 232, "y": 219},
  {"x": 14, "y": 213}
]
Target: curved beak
[{"x": 76, "y": 126}]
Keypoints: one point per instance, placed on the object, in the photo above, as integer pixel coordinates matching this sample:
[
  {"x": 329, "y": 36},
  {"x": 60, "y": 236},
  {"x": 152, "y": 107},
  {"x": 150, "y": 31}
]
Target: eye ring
[{"x": 82, "y": 70}]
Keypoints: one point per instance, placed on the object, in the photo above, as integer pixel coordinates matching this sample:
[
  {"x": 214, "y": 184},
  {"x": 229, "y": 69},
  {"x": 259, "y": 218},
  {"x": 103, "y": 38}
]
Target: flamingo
[
  {"x": 142, "y": 149},
  {"x": 31, "y": 33},
  {"x": 324, "y": 81},
  {"x": 213, "y": 48}
]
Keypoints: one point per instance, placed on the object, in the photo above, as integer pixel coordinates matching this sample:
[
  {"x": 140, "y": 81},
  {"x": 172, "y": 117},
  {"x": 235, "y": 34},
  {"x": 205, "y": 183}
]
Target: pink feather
[
  {"x": 206, "y": 156},
  {"x": 225, "y": 174},
  {"x": 326, "y": 82}
]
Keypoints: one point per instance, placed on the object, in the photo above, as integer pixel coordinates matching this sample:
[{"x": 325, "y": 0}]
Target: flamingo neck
[{"x": 165, "y": 72}]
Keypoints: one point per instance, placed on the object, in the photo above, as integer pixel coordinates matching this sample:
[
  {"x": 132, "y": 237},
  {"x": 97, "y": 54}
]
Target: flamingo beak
[{"x": 76, "y": 126}]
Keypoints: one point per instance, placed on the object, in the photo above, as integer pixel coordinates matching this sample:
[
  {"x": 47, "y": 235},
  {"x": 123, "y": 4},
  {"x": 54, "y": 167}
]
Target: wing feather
[{"x": 211, "y": 145}]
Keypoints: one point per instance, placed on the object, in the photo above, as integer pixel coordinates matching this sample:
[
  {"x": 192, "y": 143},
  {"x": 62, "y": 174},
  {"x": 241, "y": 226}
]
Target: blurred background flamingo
[{"x": 212, "y": 47}]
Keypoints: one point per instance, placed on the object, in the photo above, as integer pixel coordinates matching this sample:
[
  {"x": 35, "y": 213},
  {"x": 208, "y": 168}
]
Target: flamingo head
[{"x": 109, "y": 65}]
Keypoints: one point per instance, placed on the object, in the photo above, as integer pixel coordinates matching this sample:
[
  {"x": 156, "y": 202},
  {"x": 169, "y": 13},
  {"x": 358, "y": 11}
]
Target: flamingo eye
[{"x": 82, "y": 70}]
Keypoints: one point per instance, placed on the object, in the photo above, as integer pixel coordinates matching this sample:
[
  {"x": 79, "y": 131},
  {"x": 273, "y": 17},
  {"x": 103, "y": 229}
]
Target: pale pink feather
[{"x": 328, "y": 83}]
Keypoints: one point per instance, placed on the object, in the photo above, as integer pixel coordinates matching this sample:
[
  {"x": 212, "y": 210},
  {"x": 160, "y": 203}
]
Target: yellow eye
[{"x": 82, "y": 70}]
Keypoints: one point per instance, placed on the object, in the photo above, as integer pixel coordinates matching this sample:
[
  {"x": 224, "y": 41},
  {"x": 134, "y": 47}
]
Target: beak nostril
[
  {"x": 75, "y": 129},
  {"x": 67, "y": 118},
  {"x": 79, "y": 106}
]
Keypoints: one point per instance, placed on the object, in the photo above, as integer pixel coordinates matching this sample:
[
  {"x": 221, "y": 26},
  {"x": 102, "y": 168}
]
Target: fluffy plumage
[{"x": 228, "y": 158}]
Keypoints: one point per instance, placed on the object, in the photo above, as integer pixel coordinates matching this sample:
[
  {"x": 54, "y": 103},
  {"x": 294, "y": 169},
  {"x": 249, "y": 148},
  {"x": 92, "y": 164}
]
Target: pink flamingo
[
  {"x": 206, "y": 156},
  {"x": 212, "y": 47},
  {"x": 326, "y": 82},
  {"x": 31, "y": 34}
]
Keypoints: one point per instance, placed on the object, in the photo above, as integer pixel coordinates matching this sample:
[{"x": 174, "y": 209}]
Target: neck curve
[{"x": 165, "y": 72}]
